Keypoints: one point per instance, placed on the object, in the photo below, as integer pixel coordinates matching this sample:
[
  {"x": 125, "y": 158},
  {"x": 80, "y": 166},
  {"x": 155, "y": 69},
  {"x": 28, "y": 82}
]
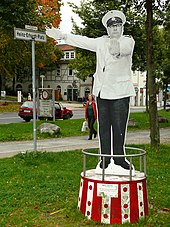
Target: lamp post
[{"x": 42, "y": 78}]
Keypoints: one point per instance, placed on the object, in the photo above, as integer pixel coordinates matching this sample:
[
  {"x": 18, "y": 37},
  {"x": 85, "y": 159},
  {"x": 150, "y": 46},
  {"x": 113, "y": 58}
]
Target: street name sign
[
  {"x": 34, "y": 36},
  {"x": 30, "y": 27},
  {"x": 25, "y": 34}
]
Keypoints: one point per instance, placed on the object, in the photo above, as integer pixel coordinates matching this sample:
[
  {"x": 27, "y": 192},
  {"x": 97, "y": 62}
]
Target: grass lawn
[
  {"x": 41, "y": 189},
  {"x": 24, "y": 130},
  {"x": 72, "y": 127},
  {"x": 9, "y": 107}
]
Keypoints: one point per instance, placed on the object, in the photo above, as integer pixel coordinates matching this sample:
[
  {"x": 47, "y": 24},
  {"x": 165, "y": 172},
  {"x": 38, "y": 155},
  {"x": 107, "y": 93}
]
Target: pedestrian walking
[{"x": 91, "y": 116}]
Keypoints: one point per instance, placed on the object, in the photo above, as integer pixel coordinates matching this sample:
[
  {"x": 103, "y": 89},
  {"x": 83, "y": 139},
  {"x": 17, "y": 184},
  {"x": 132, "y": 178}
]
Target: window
[
  {"x": 58, "y": 88},
  {"x": 58, "y": 71},
  {"x": 70, "y": 72},
  {"x": 72, "y": 54},
  {"x": 86, "y": 92},
  {"x": 67, "y": 55}
]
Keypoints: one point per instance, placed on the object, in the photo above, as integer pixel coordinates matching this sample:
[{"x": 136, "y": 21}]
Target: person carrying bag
[
  {"x": 84, "y": 126},
  {"x": 91, "y": 116}
]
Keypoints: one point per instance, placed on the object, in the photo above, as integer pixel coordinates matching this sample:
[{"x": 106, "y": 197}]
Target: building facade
[
  {"x": 63, "y": 79},
  {"x": 139, "y": 82},
  {"x": 68, "y": 87}
]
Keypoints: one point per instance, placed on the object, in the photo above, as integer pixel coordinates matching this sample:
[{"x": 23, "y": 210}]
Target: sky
[{"x": 66, "y": 14}]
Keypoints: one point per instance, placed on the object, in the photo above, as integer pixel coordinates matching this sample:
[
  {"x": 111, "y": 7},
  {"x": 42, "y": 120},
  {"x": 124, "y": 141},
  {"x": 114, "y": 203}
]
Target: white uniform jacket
[{"x": 112, "y": 78}]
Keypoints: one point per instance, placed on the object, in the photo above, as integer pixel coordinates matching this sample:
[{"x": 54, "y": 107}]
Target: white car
[{"x": 168, "y": 102}]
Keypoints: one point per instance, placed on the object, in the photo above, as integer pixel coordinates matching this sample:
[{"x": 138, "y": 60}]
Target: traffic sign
[
  {"x": 30, "y": 27},
  {"x": 25, "y": 34}
]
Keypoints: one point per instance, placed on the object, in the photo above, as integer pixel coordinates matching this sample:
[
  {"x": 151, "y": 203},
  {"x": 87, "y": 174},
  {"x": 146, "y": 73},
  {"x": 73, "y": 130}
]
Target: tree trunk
[
  {"x": 153, "y": 114},
  {"x": 13, "y": 84},
  {"x": 2, "y": 83}
]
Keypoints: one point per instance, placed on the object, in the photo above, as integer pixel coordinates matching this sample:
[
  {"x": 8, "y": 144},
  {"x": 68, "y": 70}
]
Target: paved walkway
[{"x": 8, "y": 149}]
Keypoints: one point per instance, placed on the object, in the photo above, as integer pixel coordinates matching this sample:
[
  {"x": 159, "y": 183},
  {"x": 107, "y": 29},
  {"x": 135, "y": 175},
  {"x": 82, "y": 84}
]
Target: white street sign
[
  {"x": 30, "y": 27},
  {"x": 29, "y": 35},
  {"x": 26, "y": 34}
]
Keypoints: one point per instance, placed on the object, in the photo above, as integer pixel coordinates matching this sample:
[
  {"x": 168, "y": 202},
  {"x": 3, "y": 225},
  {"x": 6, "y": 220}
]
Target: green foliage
[
  {"x": 15, "y": 55},
  {"x": 16, "y": 13},
  {"x": 72, "y": 127},
  {"x": 86, "y": 65},
  {"x": 41, "y": 189},
  {"x": 91, "y": 13},
  {"x": 13, "y": 52},
  {"x": 24, "y": 131},
  {"x": 166, "y": 46}
]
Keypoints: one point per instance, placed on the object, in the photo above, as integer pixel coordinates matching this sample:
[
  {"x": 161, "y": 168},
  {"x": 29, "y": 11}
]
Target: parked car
[
  {"x": 168, "y": 102},
  {"x": 61, "y": 112}
]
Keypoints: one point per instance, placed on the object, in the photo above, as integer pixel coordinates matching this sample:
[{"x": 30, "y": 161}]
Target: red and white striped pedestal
[{"x": 115, "y": 200}]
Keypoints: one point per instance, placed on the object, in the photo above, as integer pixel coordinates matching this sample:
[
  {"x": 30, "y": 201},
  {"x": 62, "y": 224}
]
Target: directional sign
[{"x": 25, "y": 34}]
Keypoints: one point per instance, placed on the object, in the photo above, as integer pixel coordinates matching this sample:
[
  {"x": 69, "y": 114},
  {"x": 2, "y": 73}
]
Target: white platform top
[{"x": 91, "y": 175}]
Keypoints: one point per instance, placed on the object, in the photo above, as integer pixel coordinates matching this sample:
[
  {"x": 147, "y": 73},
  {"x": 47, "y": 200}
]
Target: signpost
[
  {"x": 30, "y": 27},
  {"x": 42, "y": 78},
  {"x": 46, "y": 103},
  {"x": 19, "y": 96},
  {"x": 45, "y": 108},
  {"x": 31, "y": 33},
  {"x": 26, "y": 34}
]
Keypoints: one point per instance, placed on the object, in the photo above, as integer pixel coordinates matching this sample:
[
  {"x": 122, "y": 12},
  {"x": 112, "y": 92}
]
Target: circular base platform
[
  {"x": 115, "y": 200},
  {"x": 91, "y": 174}
]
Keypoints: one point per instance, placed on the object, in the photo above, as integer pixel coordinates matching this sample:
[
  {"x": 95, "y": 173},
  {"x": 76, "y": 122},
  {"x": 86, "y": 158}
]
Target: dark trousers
[
  {"x": 112, "y": 116},
  {"x": 91, "y": 121}
]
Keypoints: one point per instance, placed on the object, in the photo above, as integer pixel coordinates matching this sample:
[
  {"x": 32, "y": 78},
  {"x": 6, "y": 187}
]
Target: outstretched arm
[
  {"x": 75, "y": 40},
  {"x": 55, "y": 33}
]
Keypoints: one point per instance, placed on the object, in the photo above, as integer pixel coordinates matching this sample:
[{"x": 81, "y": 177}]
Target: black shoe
[
  {"x": 123, "y": 164},
  {"x": 95, "y": 134},
  {"x": 89, "y": 138},
  {"x": 101, "y": 165}
]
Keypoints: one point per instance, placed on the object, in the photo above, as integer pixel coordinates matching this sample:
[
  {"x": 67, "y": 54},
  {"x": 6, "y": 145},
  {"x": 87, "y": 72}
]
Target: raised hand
[
  {"x": 114, "y": 47},
  {"x": 54, "y": 33}
]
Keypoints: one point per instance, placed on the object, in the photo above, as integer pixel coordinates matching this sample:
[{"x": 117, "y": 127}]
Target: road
[
  {"x": 6, "y": 118},
  {"x": 8, "y": 149}
]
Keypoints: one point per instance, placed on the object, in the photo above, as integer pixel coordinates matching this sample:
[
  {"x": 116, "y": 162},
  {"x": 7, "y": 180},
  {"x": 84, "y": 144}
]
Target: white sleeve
[
  {"x": 126, "y": 46},
  {"x": 81, "y": 42}
]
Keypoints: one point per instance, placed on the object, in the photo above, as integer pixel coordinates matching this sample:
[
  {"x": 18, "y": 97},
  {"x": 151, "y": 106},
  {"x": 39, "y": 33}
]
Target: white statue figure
[{"x": 112, "y": 87}]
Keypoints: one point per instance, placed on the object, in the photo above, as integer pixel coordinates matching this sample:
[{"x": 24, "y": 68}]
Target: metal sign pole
[
  {"x": 34, "y": 95},
  {"x": 31, "y": 33},
  {"x": 53, "y": 98}
]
